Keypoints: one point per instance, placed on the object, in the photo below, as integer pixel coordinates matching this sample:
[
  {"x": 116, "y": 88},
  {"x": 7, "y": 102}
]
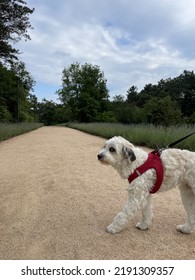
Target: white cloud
[{"x": 134, "y": 42}]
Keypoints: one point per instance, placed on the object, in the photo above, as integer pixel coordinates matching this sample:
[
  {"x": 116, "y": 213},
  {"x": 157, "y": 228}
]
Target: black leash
[
  {"x": 176, "y": 142},
  {"x": 159, "y": 151}
]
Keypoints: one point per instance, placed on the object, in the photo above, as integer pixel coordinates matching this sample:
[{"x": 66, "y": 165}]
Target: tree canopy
[
  {"x": 84, "y": 92},
  {"x": 14, "y": 23},
  {"x": 169, "y": 102},
  {"x": 84, "y": 97},
  {"x": 16, "y": 102}
]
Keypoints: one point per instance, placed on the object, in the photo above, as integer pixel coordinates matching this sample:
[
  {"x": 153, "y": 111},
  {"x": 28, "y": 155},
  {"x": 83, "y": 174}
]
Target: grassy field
[
  {"x": 143, "y": 135},
  {"x": 10, "y": 130}
]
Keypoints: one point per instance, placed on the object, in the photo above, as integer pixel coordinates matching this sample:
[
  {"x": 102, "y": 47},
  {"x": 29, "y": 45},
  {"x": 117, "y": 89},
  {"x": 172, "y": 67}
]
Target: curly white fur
[{"x": 179, "y": 170}]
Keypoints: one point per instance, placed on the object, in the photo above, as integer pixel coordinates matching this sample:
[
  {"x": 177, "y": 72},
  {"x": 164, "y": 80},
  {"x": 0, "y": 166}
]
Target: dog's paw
[
  {"x": 112, "y": 229},
  {"x": 142, "y": 226},
  {"x": 184, "y": 229}
]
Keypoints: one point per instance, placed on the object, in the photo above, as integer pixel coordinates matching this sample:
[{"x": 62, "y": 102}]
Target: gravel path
[{"x": 56, "y": 200}]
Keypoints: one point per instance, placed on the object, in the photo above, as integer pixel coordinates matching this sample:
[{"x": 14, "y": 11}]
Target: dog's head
[{"x": 116, "y": 151}]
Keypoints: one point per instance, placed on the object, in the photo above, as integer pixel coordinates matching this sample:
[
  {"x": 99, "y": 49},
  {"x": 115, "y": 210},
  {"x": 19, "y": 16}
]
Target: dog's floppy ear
[{"x": 128, "y": 153}]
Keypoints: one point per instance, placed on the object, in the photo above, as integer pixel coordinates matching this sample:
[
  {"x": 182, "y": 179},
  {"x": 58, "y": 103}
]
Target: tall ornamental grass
[
  {"x": 142, "y": 135},
  {"x": 10, "y": 130}
]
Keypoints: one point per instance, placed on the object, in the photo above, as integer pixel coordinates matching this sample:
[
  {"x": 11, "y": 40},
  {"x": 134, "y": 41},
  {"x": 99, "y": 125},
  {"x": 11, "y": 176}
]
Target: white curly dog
[{"x": 179, "y": 170}]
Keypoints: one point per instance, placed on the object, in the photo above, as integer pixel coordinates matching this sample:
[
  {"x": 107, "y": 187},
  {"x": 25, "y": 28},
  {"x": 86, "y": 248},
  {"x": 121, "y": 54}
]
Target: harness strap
[{"x": 155, "y": 162}]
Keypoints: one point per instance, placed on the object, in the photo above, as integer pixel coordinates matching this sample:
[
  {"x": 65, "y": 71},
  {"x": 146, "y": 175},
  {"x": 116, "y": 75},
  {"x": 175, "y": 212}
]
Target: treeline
[
  {"x": 85, "y": 98},
  {"x": 171, "y": 101},
  {"x": 84, "y": 95},
  {"x": 17, "y": 104}
]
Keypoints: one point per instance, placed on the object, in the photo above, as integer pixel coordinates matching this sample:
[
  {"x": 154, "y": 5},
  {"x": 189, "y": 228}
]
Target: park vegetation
[
  {"x": 148, "y": 135},
  {"x": 17, "y": 104},
  {"x": 83, "y": 96},
  {"x": 14, "y": 129}
]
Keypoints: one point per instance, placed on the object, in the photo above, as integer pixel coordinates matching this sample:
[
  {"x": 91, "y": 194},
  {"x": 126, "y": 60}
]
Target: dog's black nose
[{"x": 100, "y": 156}]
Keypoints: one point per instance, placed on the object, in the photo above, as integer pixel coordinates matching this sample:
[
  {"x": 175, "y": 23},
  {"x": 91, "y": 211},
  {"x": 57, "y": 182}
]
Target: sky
[{"x": 134, "y": 42}]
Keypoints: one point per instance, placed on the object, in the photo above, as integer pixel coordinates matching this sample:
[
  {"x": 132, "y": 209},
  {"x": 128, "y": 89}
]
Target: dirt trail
[{"x": 56, "y": 200}]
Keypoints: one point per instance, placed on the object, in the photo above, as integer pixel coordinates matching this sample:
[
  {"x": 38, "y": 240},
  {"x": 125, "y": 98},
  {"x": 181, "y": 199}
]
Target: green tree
[
  {"x": 47, "y": 112},
  {"x": 15, "y": 81},
  {"x": 5, "y": 115},
  {"x": 186, "y": 94},
  {"x": 51, "y": 113},
  {"x": 181, "y": 91},
  {"x": 120, "y": 109},
  {"x": 84, "y": 91},
  {"x": 8, "y": 95},
  {"x": 26, "y": 79},
  {"x": 132, "y": 95},
  {"x": 125, "y": 111},
  {"x": 14, "y": 94},
  {"x": 162, "y": 111},
  {"x": 14, "y": 23}
]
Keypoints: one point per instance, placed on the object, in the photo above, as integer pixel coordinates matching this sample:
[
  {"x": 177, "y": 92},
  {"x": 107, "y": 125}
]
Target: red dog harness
[{"x": 155, "y": 162}]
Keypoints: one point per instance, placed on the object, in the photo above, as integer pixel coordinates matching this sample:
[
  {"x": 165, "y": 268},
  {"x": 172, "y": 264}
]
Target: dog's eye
[{"x": 112, "y": 150}]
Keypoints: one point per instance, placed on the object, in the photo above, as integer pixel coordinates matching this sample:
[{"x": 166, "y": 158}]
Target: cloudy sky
[{"x": 135, "y": 42}]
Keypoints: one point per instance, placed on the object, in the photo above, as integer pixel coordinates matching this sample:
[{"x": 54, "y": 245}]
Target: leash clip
[{"x": 159, "y": 151}]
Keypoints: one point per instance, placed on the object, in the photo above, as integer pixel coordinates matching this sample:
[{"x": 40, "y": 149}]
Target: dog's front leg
[
  {"x": 146, "y": 216},
  {"x": 122, "y": 218}
]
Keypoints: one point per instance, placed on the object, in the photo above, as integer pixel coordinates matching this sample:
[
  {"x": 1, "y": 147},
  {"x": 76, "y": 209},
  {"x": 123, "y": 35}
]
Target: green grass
[
  {"x": 143, "y": 135},
  {"x": 10, "y": 130}
]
